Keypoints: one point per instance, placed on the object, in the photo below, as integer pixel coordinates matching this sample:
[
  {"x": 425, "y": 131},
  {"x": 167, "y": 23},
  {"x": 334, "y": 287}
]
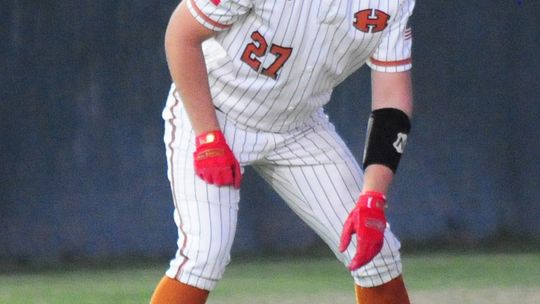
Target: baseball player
[{"x": 250, "y": 79}]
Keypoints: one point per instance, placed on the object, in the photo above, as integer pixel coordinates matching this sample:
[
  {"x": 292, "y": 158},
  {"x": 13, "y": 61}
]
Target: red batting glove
[
  {"x": 367, "y": 220},
  {"x": 214, "y": 161}
]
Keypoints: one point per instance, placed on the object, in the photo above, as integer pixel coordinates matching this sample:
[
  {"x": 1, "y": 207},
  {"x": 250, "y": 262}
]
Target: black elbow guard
[{"x": 386, "y": 137}]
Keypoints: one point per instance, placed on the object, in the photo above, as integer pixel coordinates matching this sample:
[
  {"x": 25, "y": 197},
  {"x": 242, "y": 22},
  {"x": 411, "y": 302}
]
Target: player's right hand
[{"x": 214, "y": 161}]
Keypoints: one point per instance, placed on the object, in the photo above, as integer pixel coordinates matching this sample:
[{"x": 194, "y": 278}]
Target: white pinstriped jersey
[{"x": 274, "y": 64}]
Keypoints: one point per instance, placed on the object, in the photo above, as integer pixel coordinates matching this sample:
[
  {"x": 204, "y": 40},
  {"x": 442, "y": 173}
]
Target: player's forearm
[
  {"x": 188, "y": 70},
  {"x": 389, "y": 90},
  {"x": 191, "y": 80}
]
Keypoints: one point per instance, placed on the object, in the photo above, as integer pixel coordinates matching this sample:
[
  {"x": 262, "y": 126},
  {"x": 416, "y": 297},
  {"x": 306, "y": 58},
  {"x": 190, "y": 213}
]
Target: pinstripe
[
  {"x": 297, "y": 200},
  {"x": 394, "y": 257},
  {"x": 311, "y": 179},
  {"x": 249, "y": 73},
  {"x": 173, "y": 184},
  {"x": 208, "y": 238},
  {"x": 343, "y": 181},
  {"x": 175, "y": 200},
  {"x": 294, "y": 62},
  {"x": 248, "y": 98},
  {"x": 326, "y": 209},
  {"x": 296, "y": 89},
  {"x": 257, "y": 91},
  {"x": 216, "y": 93},
  {"x": 212, "y": 270},
  {"x": 319, "y": 187},
  {"x": 266, "y": 80},
  {"x": 382, "y": 258},
  {"x": 388, "y": 50},
  {"x": 303, "y": 92},
  {"x": 197, "y": 218},
  {"x": 307, "y": 176},
  {"x": 188, "y": 217},
  {"x": 350, "y": 160},
  {"x": 224, "y": 255},
  {"x": 309, "y": 201},
  {"x": 330, "y": 80},
  {"x": 315, "y": 194}
]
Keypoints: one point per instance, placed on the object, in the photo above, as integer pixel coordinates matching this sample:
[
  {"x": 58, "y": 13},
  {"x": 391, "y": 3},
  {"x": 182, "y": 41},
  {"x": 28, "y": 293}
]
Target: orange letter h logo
[{"x": 371, "y": 20}]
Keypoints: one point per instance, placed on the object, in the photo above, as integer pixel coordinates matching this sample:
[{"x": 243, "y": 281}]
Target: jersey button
[{"x": 290, "y": 108}]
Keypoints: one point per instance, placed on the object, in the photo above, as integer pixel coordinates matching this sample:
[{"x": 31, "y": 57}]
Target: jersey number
[{"x": 259, "y": 48}]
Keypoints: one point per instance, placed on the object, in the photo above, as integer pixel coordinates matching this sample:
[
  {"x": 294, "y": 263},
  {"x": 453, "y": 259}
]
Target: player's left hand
[{"x": 368, "y": 222}]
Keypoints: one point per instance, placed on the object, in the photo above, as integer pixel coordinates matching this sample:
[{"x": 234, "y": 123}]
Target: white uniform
[{"x": 271, "y": 68}]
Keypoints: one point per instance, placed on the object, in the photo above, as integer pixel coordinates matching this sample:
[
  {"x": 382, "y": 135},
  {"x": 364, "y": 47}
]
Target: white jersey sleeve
[
  {"x": 218, "y": 15},
  {"x": 394, "y": 51}
]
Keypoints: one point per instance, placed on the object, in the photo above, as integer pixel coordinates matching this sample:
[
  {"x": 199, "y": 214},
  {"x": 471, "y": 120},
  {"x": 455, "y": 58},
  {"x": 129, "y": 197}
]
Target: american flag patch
[
  {"x": 408, "y": 33},
  {"x": 216, "y": 2}
]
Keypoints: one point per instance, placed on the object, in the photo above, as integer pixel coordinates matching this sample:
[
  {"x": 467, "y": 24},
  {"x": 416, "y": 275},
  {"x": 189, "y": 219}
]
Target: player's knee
[
  {"x": 210, "y": 258},
  {"x": 384, "y": 267},
  {"x": 200, "y": 267},
  {"x": 215, "y": 257}
]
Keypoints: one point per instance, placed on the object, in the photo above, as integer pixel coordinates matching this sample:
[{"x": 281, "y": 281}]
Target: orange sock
[
  {"x": 393, "y": 292},
  {"x": 170, "y": 291}
]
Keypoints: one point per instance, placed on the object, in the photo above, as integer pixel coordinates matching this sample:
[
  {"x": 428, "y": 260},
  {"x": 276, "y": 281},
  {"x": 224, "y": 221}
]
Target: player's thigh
[
  {"x": 321, "y": 195},
  {"x": 316, "y": 171},
  {"x": 318, "y": 177},
  {"x": 323, "y": 191}
]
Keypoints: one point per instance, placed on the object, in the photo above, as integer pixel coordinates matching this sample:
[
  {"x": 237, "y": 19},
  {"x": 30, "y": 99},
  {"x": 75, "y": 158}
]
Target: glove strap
[
  {"x": 373, "y": 199},
  {"x": 210, "y": 137}
]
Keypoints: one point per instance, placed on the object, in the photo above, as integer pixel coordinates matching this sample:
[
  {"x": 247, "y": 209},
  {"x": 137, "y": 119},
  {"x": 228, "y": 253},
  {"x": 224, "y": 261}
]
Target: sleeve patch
[{"x": 408, "y": 33}]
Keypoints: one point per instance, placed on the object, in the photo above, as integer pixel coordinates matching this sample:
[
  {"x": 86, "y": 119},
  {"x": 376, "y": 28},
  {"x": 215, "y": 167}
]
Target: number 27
[{"x": 258, "y": 48}]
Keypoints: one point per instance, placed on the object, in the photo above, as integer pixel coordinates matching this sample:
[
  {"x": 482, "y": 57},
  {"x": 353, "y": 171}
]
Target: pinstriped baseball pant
[{"x": 310, "y": 168}]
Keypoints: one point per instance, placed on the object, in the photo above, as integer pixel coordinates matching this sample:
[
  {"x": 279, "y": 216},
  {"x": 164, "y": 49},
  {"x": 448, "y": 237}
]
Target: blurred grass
[
  {"x": 129, "y": 285},
  {"x": 472, "y": 270},
  {"x": 469, "y": 277}
]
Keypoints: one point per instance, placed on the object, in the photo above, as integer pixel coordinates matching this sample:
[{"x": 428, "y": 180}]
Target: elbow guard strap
[{"x": 386, "y": 137}]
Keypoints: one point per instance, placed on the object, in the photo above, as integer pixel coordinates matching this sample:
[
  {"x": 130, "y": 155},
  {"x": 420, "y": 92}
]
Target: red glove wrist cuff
[
  {"x": 375, "y": 194},
  {"x": 372, "y": 199},
  {"x": 210, "y": 137}
]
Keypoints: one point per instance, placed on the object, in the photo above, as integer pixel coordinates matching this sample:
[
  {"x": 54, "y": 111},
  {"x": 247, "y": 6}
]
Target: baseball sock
[
  {"x": 171, "y": 291},
  {"x": 393, "y": 292}
]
